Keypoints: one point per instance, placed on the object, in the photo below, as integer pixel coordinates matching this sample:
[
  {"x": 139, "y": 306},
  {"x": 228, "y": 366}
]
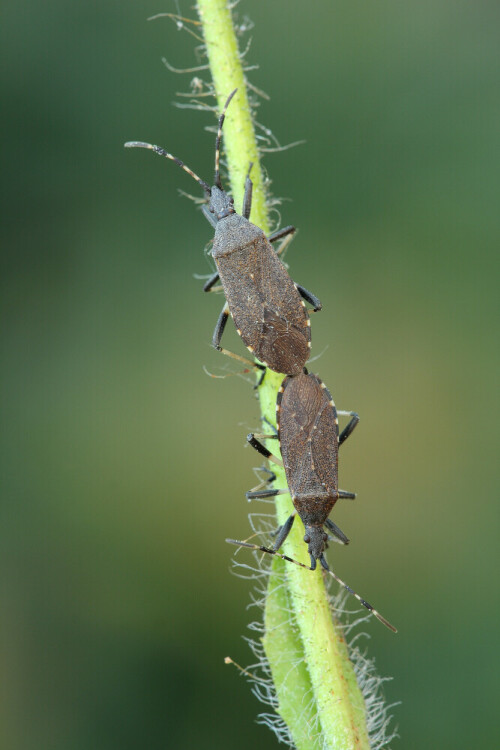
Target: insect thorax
[
  {"x": 233, "y": 234},
  {"x": 314, "y": 509}
]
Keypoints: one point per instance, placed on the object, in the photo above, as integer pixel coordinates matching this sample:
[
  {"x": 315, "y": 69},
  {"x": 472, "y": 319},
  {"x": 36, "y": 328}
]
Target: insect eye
[
  {"x": 231, "y": 201},
  {"x": 307, "y": 538}
]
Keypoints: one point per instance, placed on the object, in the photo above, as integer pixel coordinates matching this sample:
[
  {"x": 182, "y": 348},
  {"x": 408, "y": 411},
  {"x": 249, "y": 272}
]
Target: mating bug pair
[{"x": 270, "y": 315}]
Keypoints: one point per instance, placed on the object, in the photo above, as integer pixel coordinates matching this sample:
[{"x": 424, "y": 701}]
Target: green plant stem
[
  {"x": 318, "y": 696},
  {"x": 227, "y": 74}
]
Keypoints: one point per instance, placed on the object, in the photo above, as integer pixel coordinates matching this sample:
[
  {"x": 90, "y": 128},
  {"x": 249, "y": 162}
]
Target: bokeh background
[{"x": 124, "y": 466}]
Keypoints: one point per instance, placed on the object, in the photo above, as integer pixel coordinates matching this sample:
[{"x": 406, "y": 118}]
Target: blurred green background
[{"x": 124, "y": 465}]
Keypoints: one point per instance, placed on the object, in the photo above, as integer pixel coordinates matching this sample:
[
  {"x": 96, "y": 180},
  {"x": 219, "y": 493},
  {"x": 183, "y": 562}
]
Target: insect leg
[
  {"x": 262, "y": 436},
  {"x": 283, "y": 532},
  {"x": 207, "y": 287},
  {"x": 350, "y": 427},
  {"x": 288, "y": 233},
  {"x": 245, "y": 361},
  {"x": 261, "y": 494},
  {"x": 273, "y": 428},
  {"x": 262, "y": 448},
  {"x": 261, "y": 379},
  {"x": 280, "y": 233},
  {"x": 271, "y": 476},
  {"x": 309, "y": 297},
  {"x": 219, "y": 328},
  {"x": 216, "y": 338},
  {"x": 336, "y": 531}
]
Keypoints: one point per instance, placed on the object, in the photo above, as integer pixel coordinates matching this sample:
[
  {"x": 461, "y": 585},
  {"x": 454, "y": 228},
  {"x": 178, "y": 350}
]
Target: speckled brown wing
[
  {"x": 267, "y": 310},
  {"x": 308, "y": 433}
]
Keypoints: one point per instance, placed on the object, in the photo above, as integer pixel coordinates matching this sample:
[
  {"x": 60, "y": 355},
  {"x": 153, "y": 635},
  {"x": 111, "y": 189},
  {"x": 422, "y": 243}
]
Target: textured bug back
[
  {"x": 263, "y": 300},
  {"x": 308, "y": 431}
]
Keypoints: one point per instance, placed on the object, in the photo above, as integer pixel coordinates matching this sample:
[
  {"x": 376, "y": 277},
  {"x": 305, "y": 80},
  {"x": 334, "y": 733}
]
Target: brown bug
[
  {"x": 267, "y": 307},
  {"x": 309, "y": 438}
]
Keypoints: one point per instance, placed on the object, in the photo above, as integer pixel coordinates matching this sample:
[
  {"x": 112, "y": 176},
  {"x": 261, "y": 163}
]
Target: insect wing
[
  {"x": 308, "y": 436},
  {"x": 265, "y": 305}
]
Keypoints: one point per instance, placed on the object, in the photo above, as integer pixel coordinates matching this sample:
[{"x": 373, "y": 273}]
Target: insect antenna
[
  {"x": 362, "y": 601},
  {"x": 307, "y": 567},
  {"x": 162, "y": 152},
  {"x": 217, "y": 180}
]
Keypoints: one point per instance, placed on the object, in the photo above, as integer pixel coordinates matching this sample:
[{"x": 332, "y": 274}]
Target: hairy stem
[
  {"x": 318, "y": 696},
  {"x": 240, "y": 144}
]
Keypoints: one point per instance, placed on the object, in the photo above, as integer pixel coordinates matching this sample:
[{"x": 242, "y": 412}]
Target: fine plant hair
[
  {"x": 257, "y": 570},
  {"x": 306, "y": 640}
]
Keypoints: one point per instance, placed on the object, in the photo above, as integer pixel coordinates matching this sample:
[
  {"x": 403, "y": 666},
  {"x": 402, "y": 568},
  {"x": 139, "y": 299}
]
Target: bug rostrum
[
  {"x": 309, "y": 439},
  {"x": 267, "y": 307}
]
